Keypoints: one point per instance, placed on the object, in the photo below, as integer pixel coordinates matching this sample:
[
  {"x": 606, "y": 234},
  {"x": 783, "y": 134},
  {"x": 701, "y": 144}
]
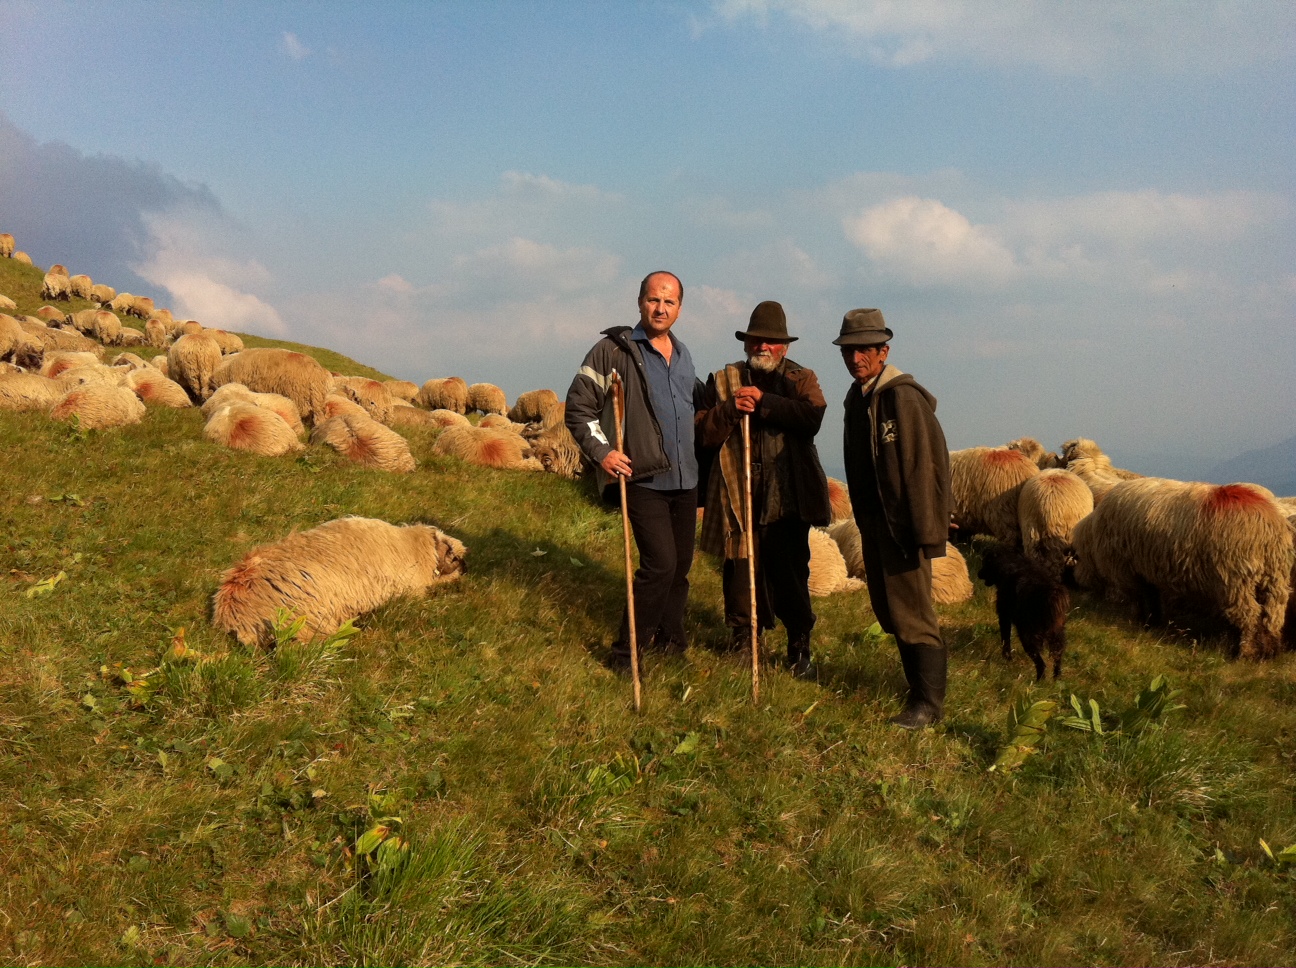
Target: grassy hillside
[{"x": 463, "y": 782}]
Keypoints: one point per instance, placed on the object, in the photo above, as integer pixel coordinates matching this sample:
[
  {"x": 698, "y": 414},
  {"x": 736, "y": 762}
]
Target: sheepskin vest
[{"x": 896, "y": 455}]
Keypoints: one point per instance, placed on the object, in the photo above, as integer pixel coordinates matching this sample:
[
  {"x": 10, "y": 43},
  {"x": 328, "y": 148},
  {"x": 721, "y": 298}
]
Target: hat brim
[
  {"x": 769, "y": 339},
  {"x": 864, "y": 339}
]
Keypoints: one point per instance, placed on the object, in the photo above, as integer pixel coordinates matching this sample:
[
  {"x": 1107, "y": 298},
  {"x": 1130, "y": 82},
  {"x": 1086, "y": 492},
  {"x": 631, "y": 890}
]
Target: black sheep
[{"x": 1030, "y": 598}]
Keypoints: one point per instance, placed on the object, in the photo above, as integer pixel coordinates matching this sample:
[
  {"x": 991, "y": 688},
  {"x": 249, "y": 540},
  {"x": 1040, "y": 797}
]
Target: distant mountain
[{"x": 1274, "y": 467}]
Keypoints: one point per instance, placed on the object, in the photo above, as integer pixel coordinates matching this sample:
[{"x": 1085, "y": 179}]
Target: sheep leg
[
  {"x": 1004, "y": 609},
  {"x": 1032, "y": 639}
]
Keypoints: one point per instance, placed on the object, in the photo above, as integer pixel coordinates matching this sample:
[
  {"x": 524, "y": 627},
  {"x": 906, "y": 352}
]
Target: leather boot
[
  {"x": 798, "y": 657},
  {"x": 740, "y": 640},
  {"x": 925, "y": 669}
]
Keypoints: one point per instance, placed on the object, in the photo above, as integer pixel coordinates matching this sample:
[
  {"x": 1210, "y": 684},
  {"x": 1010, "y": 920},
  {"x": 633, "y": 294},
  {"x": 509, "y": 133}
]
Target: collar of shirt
[
  {"x": 640, "y": 336},
  {"x": 866, "y": 387}
]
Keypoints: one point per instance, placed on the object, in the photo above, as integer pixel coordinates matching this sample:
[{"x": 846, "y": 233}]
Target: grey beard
[{"x": 766, "y": 364}]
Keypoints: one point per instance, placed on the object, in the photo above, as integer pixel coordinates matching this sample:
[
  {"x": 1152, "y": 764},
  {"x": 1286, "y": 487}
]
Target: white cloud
[
  {"x": 1059, "y": 36},
  {"x": 293, "y": 47},
  {"x": 925, "y": 242}
]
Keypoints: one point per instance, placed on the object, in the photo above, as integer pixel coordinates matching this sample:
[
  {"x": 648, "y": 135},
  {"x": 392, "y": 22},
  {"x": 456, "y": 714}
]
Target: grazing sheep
[
  {"x": 123, "y": 303},
  {"x": 229, "y": 342},
  {"x": 1033, "y": 449},
  {"x": 51, "y": 315},
  {"x": 188, "y": 327},
  {"x": 270, "y": 370},
  {"x": 839, "y": 501},
  {"x": 127, "y": 360},
  {"x": 487, "y": 447},
  {"x": 1083, "y": 447},
  {"x": 231, "y": 392},
  {"x": 360, "y": 438},
  {"x": 7, "y": 304},
  {"x": 984, "y": 485},
  {"x": 332, "y": 573},
  {"x": 58, "y": 270},
  {"x": 22, "y": 257},
  {"x": 336, "y": 405},
  {"x": 6, "y": 245},
  {"x": 402, "y": 390},
  {"x": 245, "y": 426},
  {"x": 408, "y": 415},
  {"x": 56, "y": 286},
  {"x": 102, "y": 294},
  {"x": 83, "y": 320},
  {"x": 828, "y": 574},
  {"x": 129, "y": 336},
  {"x": 17, "y": 345},
  {"x": 1048, "y": 508},
  {"x": 141, "y": 306},
  {"x": 165, "y": 317},
  {"x": 499, "y": 420},
  {"x": 80, "y": 285},
  {"x": 1227, "y": 548},
  {"x": 950, "y": 581},
  {"x": 370, "y": 394},
  {"x": 97, "y": 406},
  {"x": 534, "y": 405},
  {"x": 448, "y": 393},
  {"x": 1031, "y": 598},
  {"x": 155, "y": 389},
  {"x": 105, "y": 327},
  {"x": 53, "y": 339},
  {"x": 486, "y": 398},
  {"x": 29, "y": 391},
  {"x": 192, "y": 362},
  {"x": 558, "y": 453},
  {"x": 157, "y": 333}
]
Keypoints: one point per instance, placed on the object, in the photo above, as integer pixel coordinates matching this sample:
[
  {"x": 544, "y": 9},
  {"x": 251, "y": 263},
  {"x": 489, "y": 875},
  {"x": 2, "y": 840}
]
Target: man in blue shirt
[{"x": 658, "y": 460}]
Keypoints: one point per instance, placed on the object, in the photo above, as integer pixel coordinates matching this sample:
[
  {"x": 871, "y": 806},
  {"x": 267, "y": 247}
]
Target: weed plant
[{"x": 462, "y": 781}]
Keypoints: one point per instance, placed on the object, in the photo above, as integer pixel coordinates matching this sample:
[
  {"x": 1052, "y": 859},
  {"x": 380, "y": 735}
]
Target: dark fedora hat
[
  {"x": 768, "y": 322},
  {"x": 863, "y": 327}
]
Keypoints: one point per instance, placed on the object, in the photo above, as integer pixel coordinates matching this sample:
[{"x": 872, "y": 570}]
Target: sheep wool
[
  {"x": 51, "y": 315},
  {"x": 329, "y": 574},
  {"x": 80, "y": 285},
  {"x": 22, "y": 257},
  {"x": 59, "y": 361},
  {"x": 360, "y": 438},
  {"x": 102, "y": 294},
  {"x": 141, "y": 306},
  {"x": 123, "y": 302},
  {"x": 130, "y": 336},
  {"x": 448, "y": 418},
  {"x": 98, "y": 406},
  {"x": 839, "y": 501},
  {"x": 229, "y": 342},
  {"x": 408, "y": 415},
  {"x": 275, "y": 402},
  {"x": 192, "y": 362},
  {"x": 6, "y": 245},
  {"x": 7, "y": 304},
  {"x": 487, "y": 447},
  {"x": 1226, "y": 547},
  {"x": 951, "y": 583},
  {"x": 245, "y": 426},
  {"x": 828, "y": 574},
  {"x": 499, "y": 420},
  {"x": 558, "y": 453},
  {"x": 155, "y": 389},
  {"x": 534, "y": 405},
  {"x": 1033, "y": 449},
  {"x": 487, "y": 398},
  {"x": 447, "y": 393},
  {"x": 402, "y": 390},
  {"x": 271, "y": 370},
  {"x": 28, "y": 391},
  {"x": 337, "y": 405},
  {"x": 1048, "y": 509},
  {"x": 370, "y": 394},
  {"x": 157, "y": 333},
  {"x": 1083, "y": 447},
  {"x": 984, "y": 486},
  {"x": 56, "y": 286}
]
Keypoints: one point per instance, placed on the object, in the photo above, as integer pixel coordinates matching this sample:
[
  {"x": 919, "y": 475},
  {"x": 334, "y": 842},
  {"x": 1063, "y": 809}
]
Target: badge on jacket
[{"x": 888, "y": 431}]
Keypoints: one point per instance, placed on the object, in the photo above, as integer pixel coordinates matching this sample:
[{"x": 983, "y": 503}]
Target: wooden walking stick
[
  {"x": 618, "y": 410},
  {"x": 751, "y": 556}
]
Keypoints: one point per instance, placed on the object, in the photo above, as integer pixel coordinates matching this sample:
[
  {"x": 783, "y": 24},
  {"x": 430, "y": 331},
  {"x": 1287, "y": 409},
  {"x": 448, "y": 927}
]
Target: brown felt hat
[
  {"x": 768, "y": 322},
  {"x": 863, "y": 327}
]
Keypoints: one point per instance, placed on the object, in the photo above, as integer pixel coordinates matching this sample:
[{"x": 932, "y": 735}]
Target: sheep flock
[{"x": 1165, "y": 547}]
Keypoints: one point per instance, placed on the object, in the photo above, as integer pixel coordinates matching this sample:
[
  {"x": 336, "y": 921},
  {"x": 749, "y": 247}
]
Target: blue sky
[{"x": 1076, "y": 217}]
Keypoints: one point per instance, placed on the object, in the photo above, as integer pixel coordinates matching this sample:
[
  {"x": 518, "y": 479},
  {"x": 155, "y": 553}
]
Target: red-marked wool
[
  {"x": 232, "y": 392},
  {"x": 245, "y": 426},
  {"x": 271, "y": 370},
  {"x": 360, "y": 438},
  {"x": 58, "y": 362},
  {"x": 155, "y": 389},
  {"x": 1226, "y": 549},
  {"x": 533, "y": 406},
  {"x": 487, "y": 447},
  {"x": 370, "y": 394},
  {"x": 1048, "y": 509},
  {"x": 444, "y": 393},
  {"x": 950, "y": 581},
  {"x": 839, "y": 502},
  {"x": 329, "y": 574},
  {"x": 985, "y": 483},
  {"x": 98, "y": 406}
]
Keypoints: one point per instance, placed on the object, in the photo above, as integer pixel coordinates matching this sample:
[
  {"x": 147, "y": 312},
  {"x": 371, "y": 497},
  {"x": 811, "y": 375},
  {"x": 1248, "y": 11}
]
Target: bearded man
[{"x": 789, "y": 488}]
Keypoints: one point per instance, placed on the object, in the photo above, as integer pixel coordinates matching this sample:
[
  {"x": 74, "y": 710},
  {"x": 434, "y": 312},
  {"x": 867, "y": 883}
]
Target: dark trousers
[
  {"x": 899, "y": 584},
  {"x": 782, "y": 580},
  {"x": 664, "y": 524}
]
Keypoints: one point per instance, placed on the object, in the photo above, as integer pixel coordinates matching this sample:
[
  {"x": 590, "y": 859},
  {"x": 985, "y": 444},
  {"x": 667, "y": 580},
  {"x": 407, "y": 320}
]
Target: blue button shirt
[{"x": 670, "y": 389}]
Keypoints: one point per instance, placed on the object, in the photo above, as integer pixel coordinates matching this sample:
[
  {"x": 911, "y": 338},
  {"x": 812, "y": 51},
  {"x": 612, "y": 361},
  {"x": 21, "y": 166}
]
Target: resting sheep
[
  {"x": 408, "y": 415},
  {"x": 402, "y": 390},
  {"x": 29, "y": 391},
  {"x": 270, "y": 370},
  {"x": 97, "y": 406},
  {"x": 22, "y": 257},
  {"x": 192, "y": 362},
  {"x": 332, "y": 573},
  {"x": 57, "y": 362},
  {"x": 1225, "y": 547},
  {"x": 1031, "y": 598},
  {"x": 448, "y": 393},
  {"x": 448, "y": 418},
  {"x": 950, "y": 581},
  {"x": 558, "y": 453},
  {"x": 839, "y": 501},
  {"x": 828, "y": 574},
  {"x": 7, "y": 304},
  {"x": 19, "y": 346},
  {"x": 229, "y": 342},
  {"x": 155, "y": 389},
  {"x": 360, "y": 438},
  {"x": 984, "y": 486},
  {"x": 370, "y": 394},
  {"x": 1048, "y": 509},
  {"x": 487, "y": 447},
  {"x": 336, "y": 405},
  {"x": 245, "y": 426},
  {"x": 231, "y": 392},
  {"x": 486, "y": 398}
]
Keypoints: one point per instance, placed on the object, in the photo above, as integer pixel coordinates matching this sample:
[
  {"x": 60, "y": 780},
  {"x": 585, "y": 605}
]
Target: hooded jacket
[
  {"x": 896, "y": 422},
  {"x": 590, "y": 414}
]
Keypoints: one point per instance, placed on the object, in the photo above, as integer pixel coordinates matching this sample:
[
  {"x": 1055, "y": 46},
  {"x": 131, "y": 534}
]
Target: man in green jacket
[{"x": 897, "y": 470}]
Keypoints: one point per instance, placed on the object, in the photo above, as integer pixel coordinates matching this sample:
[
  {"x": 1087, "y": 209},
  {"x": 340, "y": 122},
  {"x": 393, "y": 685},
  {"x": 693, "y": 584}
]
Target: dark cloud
[{"x": 88, "y": 212}]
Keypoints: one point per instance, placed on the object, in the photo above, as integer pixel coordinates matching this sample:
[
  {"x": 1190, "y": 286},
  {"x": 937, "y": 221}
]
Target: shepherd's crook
[
  {"x": 751, "y": 555},
  {"x": 618, "y": 409}
]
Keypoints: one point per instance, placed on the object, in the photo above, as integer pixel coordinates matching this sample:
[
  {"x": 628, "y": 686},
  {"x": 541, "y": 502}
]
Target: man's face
[
  {"x": 864, "y": 362},
  {"x": 764, "y": 355},
  {"x": 659, "y": 306}
]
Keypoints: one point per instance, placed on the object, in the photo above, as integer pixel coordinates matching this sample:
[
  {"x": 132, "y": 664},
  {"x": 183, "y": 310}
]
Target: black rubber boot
[
  {"x": 925, "y": 668},
  {"x": 798, "y": 657},
  {"x": 740, "y": 640}
]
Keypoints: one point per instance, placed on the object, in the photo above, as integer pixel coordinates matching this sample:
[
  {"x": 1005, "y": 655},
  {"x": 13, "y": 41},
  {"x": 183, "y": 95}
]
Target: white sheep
[
  {"x": 984, "y": 485},
  {"x": 360, "y": 438},
  {"x": 487, "y": 447},
  {"x": 98, "y": 406},
  {"x": 534, "y": 405},
  {"x": 486, "y": 398},
  {"x": 245, "y": 426},
  {"x": 80, "y": 285},
  {"x": 446, "y": 393},
  {"x": 370, "y": 394},
  {"x": 29, "y": 391},
  {"x": 828, "y": 574},
  {"x": 271, "y": 370},
  {"x": 276, "y": 402},
  {"x": 192, "y": 361},
  {"x": 1048, "y": 509},
  {"x": 155, "y": 389},
  {"x": 950, "y": 581},
  {"x": 6, "y": 245},
  {"x": 102, "y": 294}
]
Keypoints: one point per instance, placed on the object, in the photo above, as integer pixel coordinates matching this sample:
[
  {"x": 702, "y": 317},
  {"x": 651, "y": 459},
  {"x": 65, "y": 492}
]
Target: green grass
[{"x": 213, "y": 813}]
